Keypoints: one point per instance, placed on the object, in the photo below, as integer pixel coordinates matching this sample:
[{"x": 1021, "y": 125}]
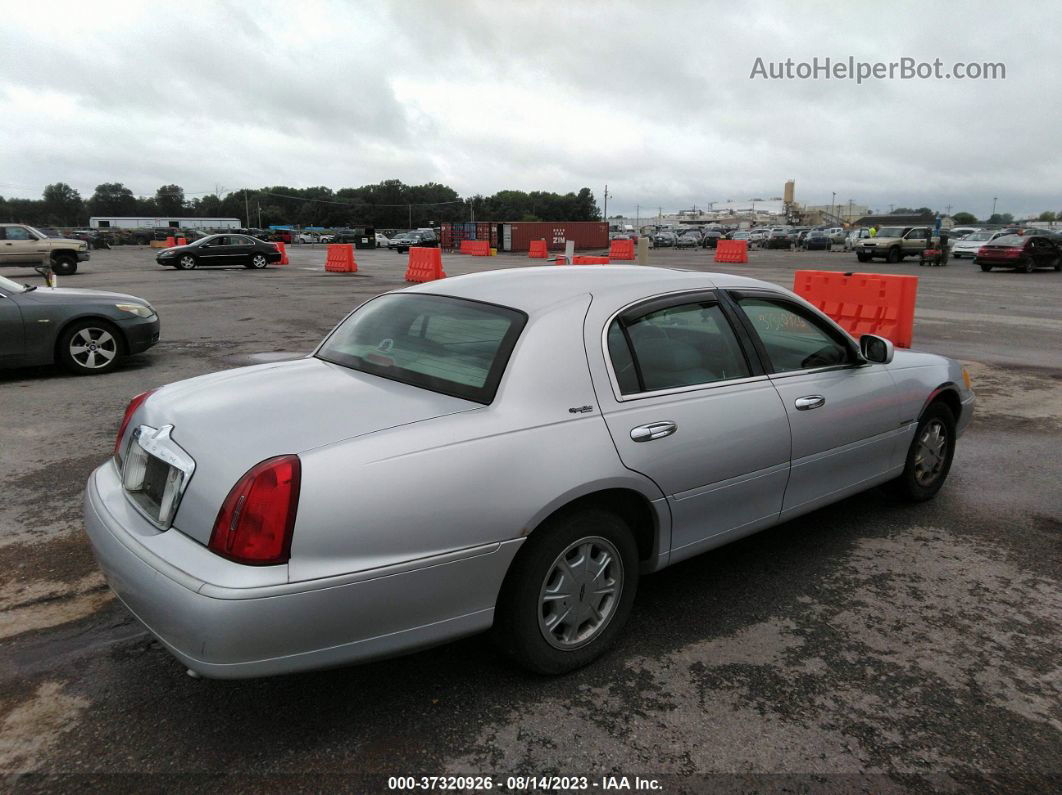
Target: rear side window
[
  {"x": 677, "y": 346},
  {"x": 448, "y": 345}
]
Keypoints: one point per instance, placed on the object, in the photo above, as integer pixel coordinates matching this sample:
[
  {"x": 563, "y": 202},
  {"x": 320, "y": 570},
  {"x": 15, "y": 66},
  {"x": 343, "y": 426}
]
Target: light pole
[
  {"x": 994, "y": 200},
  {"x": 605, "y": 212},
  {"x": 833, "y": 205}
]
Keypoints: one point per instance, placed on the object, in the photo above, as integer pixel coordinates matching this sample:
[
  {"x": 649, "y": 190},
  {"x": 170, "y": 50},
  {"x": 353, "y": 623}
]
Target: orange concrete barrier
[
  {"x": 732, "y": 251},
  {"x": 425, "y": 265},
  {"x": 621, "y": 249},
  {"x": 284, "y": 254},
  {"x": 584, "y": 260},
  {"x": 863, "y": 303},
  {"x": 560, "y": 260},
  {"x": 340, "y": 258},
  {"x": 477, "y": 248},
  {"x": 169, "y": 242},
  {"x": 182, "y": 241},
  {"x": 537, "y": 250}
]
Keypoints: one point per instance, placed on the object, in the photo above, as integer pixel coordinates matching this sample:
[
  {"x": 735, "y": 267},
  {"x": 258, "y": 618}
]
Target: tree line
[{"x": 390, "y": 204}]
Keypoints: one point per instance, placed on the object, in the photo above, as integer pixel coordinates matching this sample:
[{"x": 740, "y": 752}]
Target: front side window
[
  {"x": 19, "y": 233},
  {"x": 447, "y": 345},
  {"x": 677, "y": 346},
  {"x": 793, "y": 339}
]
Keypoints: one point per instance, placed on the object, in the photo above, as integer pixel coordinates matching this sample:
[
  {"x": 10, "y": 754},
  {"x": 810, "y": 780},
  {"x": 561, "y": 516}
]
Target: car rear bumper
[{"x": 230, "y": 632}]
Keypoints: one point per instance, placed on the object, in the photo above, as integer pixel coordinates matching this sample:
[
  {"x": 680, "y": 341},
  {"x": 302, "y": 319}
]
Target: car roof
[{"x": 534, "y": 289}]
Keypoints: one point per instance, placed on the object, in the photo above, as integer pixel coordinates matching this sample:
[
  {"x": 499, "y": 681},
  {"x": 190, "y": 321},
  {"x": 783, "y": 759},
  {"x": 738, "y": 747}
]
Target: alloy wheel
[{"x": 93, "y": 348}]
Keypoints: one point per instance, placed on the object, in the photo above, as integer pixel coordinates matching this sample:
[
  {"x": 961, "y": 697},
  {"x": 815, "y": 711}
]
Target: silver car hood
[{"x": 229, "y": 421}]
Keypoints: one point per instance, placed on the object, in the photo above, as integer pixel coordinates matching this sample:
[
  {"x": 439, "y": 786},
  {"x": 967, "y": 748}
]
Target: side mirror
[{"x": 876, "y": 349}]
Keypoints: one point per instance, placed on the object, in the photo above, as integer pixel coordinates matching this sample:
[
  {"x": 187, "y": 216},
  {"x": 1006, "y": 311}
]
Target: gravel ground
[{"x": 867, "y": 646}]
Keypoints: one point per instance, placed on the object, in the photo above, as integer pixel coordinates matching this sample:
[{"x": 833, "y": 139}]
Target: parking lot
[{"x": 893, "y": 645}]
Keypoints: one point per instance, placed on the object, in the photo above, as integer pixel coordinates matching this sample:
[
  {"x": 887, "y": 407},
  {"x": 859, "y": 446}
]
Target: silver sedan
[{"x": 509, "y": 451}]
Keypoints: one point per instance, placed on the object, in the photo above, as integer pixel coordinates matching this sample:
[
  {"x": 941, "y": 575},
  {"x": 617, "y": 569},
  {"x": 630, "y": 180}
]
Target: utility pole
[
  {"x": 947, "y": 209},
  {"x": 246, "y": 209},
  {"x": 259, "y": 215},
  {"x": 637, "y": 216},
  {"x": 833, "y": 205},
  {"x": 606, "y": 202},
  {"x": 994, "y": 200}
]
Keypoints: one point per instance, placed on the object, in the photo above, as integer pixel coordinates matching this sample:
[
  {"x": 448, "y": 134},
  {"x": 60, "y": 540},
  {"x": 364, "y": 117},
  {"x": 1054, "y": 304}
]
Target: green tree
[
  {"x": 964, "y": 218},
  {"x": 112, "y": 198},
  {"x": 62, "y": 205},
  {"x": 1048, "y": 216},
  {"x": 170, "y": 200},
  {"x": 1001, "y": 218}
]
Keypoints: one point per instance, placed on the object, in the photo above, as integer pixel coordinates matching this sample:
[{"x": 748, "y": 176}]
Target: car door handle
[
  {"x": 809, "y": 402},
  {"x": 654, "y": 430}
]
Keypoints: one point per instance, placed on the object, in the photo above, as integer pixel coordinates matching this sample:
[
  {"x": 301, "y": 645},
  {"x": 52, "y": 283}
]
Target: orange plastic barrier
[
  {"x": 181, "y": 241},
  {"x": 340, "y": 258},
  {"x": 169, "y": 242},
  {"x": 425, "y": 265},
  {"x": 477, "y": 248},
  {"x": 732, "y": 251},
  {"x": 537, "y": 250},
  {"x": 621, "y": 249},
  {"x": 560, "y": 260},
  {"x": 863, "y": 303},
  {"x": 284, "y": 254},
  {"x": 582, "y": 260}
]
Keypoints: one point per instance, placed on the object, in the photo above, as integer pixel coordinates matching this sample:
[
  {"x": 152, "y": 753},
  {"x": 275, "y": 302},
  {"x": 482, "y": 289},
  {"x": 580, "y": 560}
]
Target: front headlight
[{"x": 136, "y": 309}]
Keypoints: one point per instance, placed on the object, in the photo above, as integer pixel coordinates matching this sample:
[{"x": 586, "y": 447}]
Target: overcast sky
[{"x": 653, "y": 98}]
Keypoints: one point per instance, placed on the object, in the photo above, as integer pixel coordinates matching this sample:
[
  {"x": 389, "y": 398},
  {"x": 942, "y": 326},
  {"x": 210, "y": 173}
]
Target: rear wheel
[
  {"x": 929, "y": 457},
  {"x": 986, "y": 268},
  {"x": 258, "y": 261},
  {"x": 569, "y": 592},
  {"x": 90, "y": 347},
  {"x": 64, "y": 265}
]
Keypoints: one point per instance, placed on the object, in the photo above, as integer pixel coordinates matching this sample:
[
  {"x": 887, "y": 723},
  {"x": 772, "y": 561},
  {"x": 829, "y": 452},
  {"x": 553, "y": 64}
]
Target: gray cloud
[{"x": 654, "y": 99}]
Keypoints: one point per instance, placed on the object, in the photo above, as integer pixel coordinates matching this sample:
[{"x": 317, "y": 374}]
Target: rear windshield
[
  {"x": 447, "y": 345},
  {"x": 1010, "y": 240}
]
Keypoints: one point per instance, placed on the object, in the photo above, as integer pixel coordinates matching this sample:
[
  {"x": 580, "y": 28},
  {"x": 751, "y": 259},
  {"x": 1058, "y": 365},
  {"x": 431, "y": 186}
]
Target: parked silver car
[{"x": 509, "y": 449}]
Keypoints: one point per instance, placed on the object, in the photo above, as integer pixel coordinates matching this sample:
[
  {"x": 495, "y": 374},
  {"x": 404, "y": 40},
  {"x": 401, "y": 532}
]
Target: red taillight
[
  {"x": 130, "y": 410},
  {"x": 255, "y": 522}
]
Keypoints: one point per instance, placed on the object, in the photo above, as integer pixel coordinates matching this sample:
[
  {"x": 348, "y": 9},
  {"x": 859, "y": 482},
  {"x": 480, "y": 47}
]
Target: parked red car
[{"x": 1020, "y": 252}]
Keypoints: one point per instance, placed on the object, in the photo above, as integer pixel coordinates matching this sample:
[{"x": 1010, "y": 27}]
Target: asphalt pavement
[{"x": 867, "y": 646}]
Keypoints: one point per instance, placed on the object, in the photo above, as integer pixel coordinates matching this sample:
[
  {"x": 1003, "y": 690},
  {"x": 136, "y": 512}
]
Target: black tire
[
  {"x": 1057, "y": 264},
  {"x": 64, "y": 265},
  {"x": 1028, "y": 266},
  {"x": 859, "y": 256},
  {"x": 186, "y": 262},
  {"x": 914, "y": 484},
  {"x": 518, "y": 617},
  {"x": 101, "y": 333},
  {"x": 893, "y": 256},
  {"x": 986, "y": 268}
]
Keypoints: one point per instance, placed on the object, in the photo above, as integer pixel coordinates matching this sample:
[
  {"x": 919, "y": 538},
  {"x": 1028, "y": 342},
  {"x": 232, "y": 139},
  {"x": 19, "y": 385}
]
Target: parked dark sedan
[
  {"x": 1020, "y": 252},
  {"x": 663, "y": 240},
  {"x": 711, "y": 238},
  {"x": 690, "y": 239},
  {"x": 779, "y": 238},
  {"x": 220, "y": 250},
  {"x": 86, "y": 331},
  {"x": 817, "y": 241}
]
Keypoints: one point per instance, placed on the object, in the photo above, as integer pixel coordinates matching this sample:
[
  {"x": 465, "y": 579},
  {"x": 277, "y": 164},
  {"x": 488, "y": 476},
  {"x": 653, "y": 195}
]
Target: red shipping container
[{"x": 585, "y": 234}]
